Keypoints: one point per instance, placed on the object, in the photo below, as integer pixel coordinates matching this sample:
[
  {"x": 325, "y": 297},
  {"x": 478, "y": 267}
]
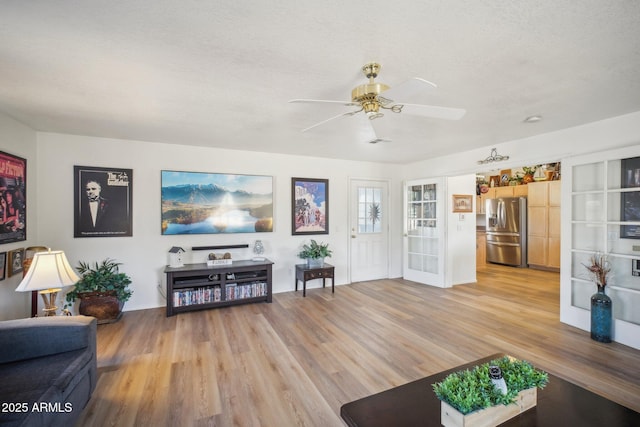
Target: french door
[{"x": 424, "y": 232}]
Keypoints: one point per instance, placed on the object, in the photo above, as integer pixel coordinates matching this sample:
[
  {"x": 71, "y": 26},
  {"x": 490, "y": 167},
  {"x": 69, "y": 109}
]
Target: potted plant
[
  {"x": 315, "y": 253},
  {"x": 472, "y": 395},
  {"x": 529, "y": 171},
  {"x": 102, "y": 290}
]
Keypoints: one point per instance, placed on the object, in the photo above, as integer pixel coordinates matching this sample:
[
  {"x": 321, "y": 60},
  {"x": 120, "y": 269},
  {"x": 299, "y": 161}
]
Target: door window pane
[{"x": 370, "y": 210}]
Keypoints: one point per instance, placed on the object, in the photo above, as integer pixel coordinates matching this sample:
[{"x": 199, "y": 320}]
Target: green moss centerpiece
[{"x": 470, "y": 398}]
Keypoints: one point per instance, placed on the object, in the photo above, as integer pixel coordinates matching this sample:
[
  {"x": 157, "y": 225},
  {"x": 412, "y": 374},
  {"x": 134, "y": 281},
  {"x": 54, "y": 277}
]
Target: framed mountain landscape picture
[{"x": 215, "y": 203}]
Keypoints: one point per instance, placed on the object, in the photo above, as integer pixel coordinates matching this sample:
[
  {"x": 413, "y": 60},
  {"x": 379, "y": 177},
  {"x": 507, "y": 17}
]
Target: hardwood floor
[{"x": 296, "y": 361}]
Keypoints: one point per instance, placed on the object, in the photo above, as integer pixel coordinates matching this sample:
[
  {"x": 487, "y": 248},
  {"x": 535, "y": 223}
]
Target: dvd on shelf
[
  {"x": 247, "y": 290},
  {"x": 192, "y": 296}
]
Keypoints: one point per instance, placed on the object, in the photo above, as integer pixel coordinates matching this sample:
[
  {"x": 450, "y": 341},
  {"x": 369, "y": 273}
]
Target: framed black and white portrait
[{"x": 102, "y": 202}]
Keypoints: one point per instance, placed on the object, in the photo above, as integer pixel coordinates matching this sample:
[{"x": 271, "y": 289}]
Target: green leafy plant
[
  {"x": 530, "y": 170},
  {"x": 471, "y": 390},
  {"x": 101, "y": 277},
  {"x": 315, "y": 250}
]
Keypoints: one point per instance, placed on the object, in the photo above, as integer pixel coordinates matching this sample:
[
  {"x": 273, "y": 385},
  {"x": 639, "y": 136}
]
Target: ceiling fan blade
[
  {"x": 408, "y": 90},
  {"x": 447, "y": 113},
  {"x": 324, "y": 101},
  {"x": 350, "y": 113},
  {"x": 377, "y": 140}
]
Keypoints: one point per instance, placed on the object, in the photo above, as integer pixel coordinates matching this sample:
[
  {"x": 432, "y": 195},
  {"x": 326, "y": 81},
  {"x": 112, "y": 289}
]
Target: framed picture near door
[
  {"x": 630, "y": 200},
  {"x": 309, "y": 206},
  {"x": 462, "y": 203}
]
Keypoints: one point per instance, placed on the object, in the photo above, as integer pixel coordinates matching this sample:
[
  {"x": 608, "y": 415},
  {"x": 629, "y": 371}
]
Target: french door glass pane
[
  {"x": 581, "y": 294},
  {"x": 588, "y": 177},
  {"x": 587, "y": 237},
  {"x": 431, "y": 264},
  {"x": 423, "y": 242},
  {"x": 588, "y": 207}
]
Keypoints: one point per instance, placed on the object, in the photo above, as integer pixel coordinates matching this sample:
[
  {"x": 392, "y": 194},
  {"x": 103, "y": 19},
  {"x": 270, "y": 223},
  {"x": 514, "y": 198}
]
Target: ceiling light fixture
[
  {"x": 532, "y": 119},
  {"x": 494, "y": 157}
]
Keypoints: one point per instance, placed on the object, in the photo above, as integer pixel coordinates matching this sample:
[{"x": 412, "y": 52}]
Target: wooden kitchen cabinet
[
  {"x": 543, "y": 225},
  {"x": 481, "y": 249},
  {"x": 520, "y": 191},
  {"x": 496, "y": 192},
  {"x": 504, "y": 192}
]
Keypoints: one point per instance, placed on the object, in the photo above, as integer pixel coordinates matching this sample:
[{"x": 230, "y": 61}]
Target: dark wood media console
[{"x": 198, "y": 286}]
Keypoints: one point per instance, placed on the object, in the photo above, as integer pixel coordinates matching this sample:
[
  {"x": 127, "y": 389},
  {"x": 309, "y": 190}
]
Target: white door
[
  {"x": 369, "y": 230},
  {"x": 424, "y": 232}
]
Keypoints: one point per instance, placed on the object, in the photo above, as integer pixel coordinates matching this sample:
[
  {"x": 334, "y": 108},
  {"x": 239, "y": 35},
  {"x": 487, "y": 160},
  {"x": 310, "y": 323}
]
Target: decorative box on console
[{"x": 219, "y": 259}]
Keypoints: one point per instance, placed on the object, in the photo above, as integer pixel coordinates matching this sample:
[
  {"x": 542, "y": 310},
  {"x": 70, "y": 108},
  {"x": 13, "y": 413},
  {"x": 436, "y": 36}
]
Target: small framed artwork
[
  {"x": 462, "y": 203},
  {"x": 309, "y": 206},
  {"x": 3, "y": 265},
  {"x": 16, "y": 257},
  {"x": 494, "y": 181},
  {"x": 505, "y": 174}
]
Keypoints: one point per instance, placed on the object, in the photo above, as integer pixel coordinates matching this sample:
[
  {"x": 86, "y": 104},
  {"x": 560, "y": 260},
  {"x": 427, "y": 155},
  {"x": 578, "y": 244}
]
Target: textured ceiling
[{"x": 220, "y": 73}]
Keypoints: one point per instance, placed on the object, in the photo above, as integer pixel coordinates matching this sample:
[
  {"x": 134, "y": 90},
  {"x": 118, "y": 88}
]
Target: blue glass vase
[{"x": 601, "y": 316}]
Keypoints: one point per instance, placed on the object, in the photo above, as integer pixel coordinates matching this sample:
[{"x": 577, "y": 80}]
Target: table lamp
[{"x": 48, "y": 274}]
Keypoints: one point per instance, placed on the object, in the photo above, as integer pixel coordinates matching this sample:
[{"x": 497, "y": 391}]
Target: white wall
[
  {"x": 545, "y": 148},
  {"x": 19, "y": 140},
  {"x": 461, "y": 233},
  {"x": 145, "y": 253}
]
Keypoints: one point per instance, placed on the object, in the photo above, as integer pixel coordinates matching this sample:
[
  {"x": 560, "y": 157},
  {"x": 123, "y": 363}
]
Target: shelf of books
[{"x": 198, "y": 286}]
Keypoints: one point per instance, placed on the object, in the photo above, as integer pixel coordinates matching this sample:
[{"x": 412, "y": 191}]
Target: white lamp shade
[{"x": 48, "y": 270}]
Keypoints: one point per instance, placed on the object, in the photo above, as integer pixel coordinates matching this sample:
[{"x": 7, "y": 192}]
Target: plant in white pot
[
  {"x": 102, "y": 290},
  {"x": 315, "y": 253}
]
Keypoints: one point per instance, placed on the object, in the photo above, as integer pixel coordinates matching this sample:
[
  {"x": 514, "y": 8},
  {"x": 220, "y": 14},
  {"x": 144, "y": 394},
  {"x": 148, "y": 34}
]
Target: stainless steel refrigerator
[{"x": 507, "y": 231}]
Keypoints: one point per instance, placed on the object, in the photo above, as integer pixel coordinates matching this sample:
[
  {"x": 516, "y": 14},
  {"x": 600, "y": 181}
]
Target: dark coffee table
[{"x": 560, "y": 403}]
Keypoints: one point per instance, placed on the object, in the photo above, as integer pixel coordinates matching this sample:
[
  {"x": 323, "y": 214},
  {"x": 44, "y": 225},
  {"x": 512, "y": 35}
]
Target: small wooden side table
[{"x": 304, "y": 273}]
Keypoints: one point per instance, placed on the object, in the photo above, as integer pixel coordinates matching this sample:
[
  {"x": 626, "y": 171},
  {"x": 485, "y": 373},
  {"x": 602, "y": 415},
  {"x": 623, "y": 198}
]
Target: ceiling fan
[{"x": 367, "y": 98}]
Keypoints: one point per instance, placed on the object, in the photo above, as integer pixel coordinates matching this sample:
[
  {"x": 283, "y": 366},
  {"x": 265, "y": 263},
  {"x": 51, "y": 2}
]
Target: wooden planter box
[{"x": 489, "y": 417}]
